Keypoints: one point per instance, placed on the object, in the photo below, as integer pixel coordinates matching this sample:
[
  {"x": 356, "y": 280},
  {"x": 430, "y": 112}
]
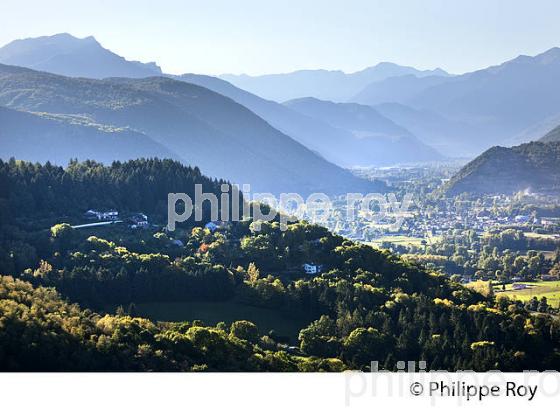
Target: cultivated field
[
  {"x": 403, "y": 240},
  {"x": 549, "y": 289}
]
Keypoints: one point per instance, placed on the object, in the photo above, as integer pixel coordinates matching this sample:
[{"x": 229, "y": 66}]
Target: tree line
[{"x": 367, "y": 304}]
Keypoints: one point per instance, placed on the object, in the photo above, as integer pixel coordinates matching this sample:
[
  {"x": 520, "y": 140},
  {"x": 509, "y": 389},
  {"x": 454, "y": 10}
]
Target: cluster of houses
[
  {"x": 135, "y": 220},
  {"x": 111, "y": 215},
  {"x": 436, "y": 222}
]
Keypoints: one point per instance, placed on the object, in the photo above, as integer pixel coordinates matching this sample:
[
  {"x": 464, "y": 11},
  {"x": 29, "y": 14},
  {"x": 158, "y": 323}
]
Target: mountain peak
[
  {"x": 60, "y": 39},
  {"x": 383, "y": 64},
  {"x": 68, "y": 55},
  {"x": 90, "y": 39},
  {"x": 550, "y": 56}
]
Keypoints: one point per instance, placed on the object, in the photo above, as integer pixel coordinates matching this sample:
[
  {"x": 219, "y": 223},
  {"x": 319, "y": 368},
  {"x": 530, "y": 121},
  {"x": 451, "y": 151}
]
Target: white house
[
  {"x": 311, "y": 269},
  {"x": 138, "y": 220}
]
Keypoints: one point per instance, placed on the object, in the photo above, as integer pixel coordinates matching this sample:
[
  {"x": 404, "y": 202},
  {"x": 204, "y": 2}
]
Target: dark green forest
[
  {"x": 68, "y": 296},
  {"x": 532, "y": 166}
]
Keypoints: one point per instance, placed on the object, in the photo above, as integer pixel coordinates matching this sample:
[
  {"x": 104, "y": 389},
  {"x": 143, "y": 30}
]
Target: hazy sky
[{"x": 256, "y": 36}]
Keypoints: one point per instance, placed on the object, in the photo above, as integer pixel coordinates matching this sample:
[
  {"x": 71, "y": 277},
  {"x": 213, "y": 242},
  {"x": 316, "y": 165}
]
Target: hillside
[
  {"x": 501, "y": 101},
  {"x": 450, "y": 137},
  {"x": 323, "y": 84},
  {"x": 397, "y": 89},
  {"x": 76, "y": 299},
  {"x": 533, "y": 167},
  {"x": 328, "y": 141},
  {"x": 317, "y": 135},
  {"x": 377, "y": 140},
  {"x": 59, "y": 138},
  {"x": 74, "y": 57},
  {"x": 535, "y": 132},
  {"x": 552, "y": 136},
  {"x": 337, "y": 144},
  {"x": 460, "y": 116},
  {"x": 508, "y": 104},
  {"x": 36, "y": 191},
  {"x": 199, "y": 126}
]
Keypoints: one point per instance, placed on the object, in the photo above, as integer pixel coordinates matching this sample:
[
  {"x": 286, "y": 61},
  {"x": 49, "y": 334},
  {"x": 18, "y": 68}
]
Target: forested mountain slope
[
  {"x": 534, "y": 167},
  {"x": 364, "y": 305},
  {"x": 59, "y": 138}
]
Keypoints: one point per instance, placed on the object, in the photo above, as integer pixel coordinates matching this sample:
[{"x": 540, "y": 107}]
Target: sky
[{"x": 260, "y": 37}]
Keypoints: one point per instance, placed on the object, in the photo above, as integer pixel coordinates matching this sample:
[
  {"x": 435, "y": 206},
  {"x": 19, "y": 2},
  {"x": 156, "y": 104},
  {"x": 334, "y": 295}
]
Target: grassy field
[
  {"x": 540, "y": 235},
  {"x": 213, "y": 312},
  {"x": 403, "y": 240},
  {"x": 550, "y": 289}
]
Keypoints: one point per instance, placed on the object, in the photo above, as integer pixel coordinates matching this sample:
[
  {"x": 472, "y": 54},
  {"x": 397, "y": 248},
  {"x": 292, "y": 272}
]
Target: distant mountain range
[
  {"x": 509, "y": 104},
  {"x": 335, "y": 86},
  {"x": 499, "y": 101},
  {"x": 434, "y": 114},
  {"x": 458, "y": 115},
  {"x": 376, "y": 139},
  {"x": 70, "y": 56},
  {"x": 335, "y": 144},
  {"x": 400, "y": 89},
  {"x": 190, "y": 122},
  {"x": 451, "y": 137},
  {"x": 531, "y": 167},
  {"x": 342, "y": 145}
]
